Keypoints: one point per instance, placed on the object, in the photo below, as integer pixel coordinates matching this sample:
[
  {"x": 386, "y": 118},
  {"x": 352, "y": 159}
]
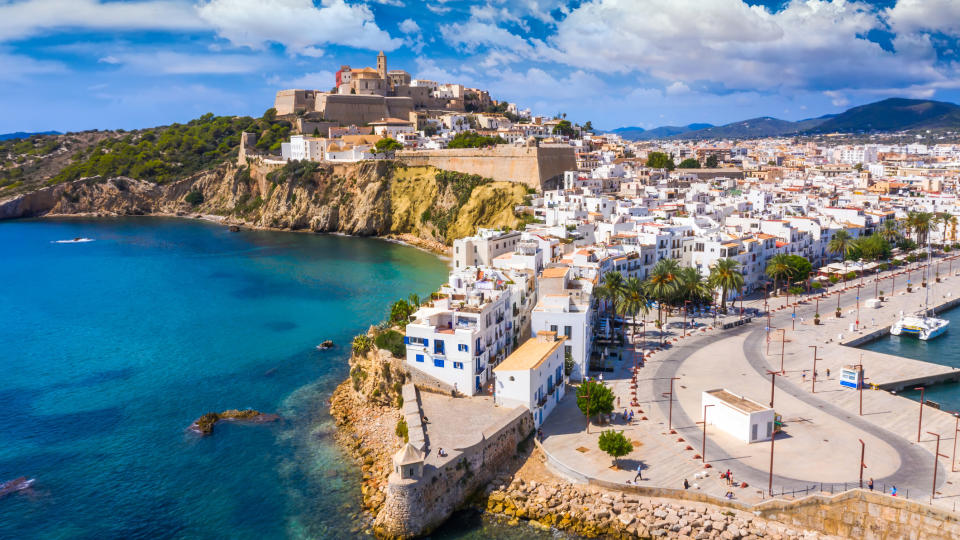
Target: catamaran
[{"x": 922, "y": 324}]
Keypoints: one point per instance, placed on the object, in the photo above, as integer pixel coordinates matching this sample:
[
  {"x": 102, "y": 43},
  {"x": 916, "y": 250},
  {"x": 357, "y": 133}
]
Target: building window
[
  {"x": 438, "y": 362},
  {"x": 438, "y": 347},
  {"x": 567, "y": 331},
  {"x": 567, "y": 349},
  {"x": 553, "y": 328},
  {"x": 458, "y": 365},
  {"x": 462, "y": 347},
  {"x": 419, "y": 358},
  {"x": 422, "y": 342}
]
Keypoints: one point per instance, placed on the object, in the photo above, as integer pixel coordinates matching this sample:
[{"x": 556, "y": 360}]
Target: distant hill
[
  {"x": 662, "y": 132},
  {"x": 24, "y": 135},
  {"x": 894, "y": 114}
]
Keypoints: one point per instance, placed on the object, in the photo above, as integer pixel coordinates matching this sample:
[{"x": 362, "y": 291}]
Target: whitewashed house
[
  {"x": 532, "y": 376},
  {"x": 744, "y": 418}
]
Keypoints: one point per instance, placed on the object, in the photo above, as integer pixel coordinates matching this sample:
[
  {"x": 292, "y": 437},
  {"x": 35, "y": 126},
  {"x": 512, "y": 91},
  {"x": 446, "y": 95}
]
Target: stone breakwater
[{"x": 591, "y": 512}]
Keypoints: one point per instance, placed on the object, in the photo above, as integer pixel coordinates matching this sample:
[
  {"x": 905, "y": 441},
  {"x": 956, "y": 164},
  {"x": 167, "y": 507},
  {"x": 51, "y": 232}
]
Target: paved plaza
[{"x": 819, "y": 447}]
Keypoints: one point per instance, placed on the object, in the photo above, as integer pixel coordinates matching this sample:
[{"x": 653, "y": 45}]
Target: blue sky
[{"x": 80, "y": 64}]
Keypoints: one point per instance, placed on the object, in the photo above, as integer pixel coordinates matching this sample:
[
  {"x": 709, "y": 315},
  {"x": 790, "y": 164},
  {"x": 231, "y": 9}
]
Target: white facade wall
[
  {"x": 747, "y": 427},
  {"x": 577, "y": 326},
  {"x": 538, "y": 389}
]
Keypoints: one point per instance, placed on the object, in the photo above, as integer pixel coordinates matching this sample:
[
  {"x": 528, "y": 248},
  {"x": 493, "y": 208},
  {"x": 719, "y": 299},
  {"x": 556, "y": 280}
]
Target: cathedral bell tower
[{"x": 382, "y": 65}]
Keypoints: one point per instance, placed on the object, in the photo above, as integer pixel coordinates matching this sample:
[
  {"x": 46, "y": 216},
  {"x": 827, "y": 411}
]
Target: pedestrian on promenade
[
  {"x": 639, "y": 472},
  {"x": 540, "y": 435},
  {"x": 893, "y": 491},
  {"x": 828, "y": 373},
  {"x": 686, "y": 485},
  {"x": 804, "y": 376},
  {"x": 870, "y": 484},
  {"x": 618, "y": 402}
]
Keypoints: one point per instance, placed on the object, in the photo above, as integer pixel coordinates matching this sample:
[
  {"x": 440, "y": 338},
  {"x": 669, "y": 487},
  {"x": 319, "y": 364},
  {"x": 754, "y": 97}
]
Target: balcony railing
[
  {"x": 480, "y": 368},
  {"x": 542, "y": 401}
]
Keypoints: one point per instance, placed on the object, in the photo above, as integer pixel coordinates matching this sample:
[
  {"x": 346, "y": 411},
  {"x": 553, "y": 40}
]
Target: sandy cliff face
[{"x": 368, "y": 198}]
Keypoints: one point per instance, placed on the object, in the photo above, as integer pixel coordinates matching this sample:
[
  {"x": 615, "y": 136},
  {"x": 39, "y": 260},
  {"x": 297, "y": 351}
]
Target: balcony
[
  {"x": 542, "y": 401},
  {"x": 480, "y": 368}
]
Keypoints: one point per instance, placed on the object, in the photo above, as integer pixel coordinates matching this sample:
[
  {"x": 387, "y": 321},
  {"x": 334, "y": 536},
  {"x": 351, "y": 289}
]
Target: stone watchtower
[
  {"x": 408, "y": 463},
  {"x": 382, "y": 65}
]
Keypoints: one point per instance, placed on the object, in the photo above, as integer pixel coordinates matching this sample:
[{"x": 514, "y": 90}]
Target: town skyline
[{"x": 139, "y": 64}]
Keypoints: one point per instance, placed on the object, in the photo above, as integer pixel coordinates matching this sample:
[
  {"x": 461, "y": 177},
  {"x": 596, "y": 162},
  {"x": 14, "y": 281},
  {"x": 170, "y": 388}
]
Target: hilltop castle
[{"x": 365, "y": 95}]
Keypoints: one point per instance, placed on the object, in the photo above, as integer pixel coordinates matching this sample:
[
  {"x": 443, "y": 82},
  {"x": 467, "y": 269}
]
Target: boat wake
[{"x": 73, "y": 241}]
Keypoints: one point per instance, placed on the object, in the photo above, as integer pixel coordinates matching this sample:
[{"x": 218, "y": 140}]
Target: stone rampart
[
  {"x": 538, "y": 167},
  {"x": 415, "y": 507}
]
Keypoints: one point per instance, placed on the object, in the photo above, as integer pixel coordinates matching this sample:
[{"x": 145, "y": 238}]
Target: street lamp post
[
  {"x": 920, "y": 419},
  {"x": 793, "y": 318},
  {"x": 765, "y": 296},
  {"x": 783, "y": 344},
  {"x": 703, "y": 449},
  {"x": 773, "y": 383},
  {"x": 860, "y": 383},
  {"x": 773, "y": 437},
  {"x": 813, "y": 390},
  {"x": 685, "y": 304},
  {"x": 670, "y": 410},
  {"x": 862, "y": 464},
  {"x": 936, "y": 460},
  {"x": 956, "y": 429},
  {"x": 858, "y": 307}
]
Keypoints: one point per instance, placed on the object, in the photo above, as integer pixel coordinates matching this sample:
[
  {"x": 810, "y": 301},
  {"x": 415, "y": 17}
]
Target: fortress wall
[
  {"x": 414, "y": 507},
  {"x": 535, "y": 167}
]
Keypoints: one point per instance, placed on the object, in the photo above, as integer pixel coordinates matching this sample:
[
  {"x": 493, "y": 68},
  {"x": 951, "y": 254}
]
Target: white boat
[
  {"x": 919, "y": 326},
  {"x": 73, "y": 241}
]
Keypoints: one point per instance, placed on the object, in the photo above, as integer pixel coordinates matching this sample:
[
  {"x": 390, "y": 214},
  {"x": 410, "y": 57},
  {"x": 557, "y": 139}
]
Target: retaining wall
[
  {"x": 415, "y": 507},
  {"x": 538, "y": 167}
]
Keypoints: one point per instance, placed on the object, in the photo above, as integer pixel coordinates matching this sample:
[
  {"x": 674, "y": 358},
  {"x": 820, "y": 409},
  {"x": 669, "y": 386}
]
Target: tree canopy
[
  {"x": 565, "y": 128},
  {"x": 689, "y": 163},
  {"x": 388, "y": 145},
  {"x": 660, "y": 160},
  {"x": 471, "y": 139},
  {"x": 614, "y": 443},
  {"x": 594, "y": 398}
]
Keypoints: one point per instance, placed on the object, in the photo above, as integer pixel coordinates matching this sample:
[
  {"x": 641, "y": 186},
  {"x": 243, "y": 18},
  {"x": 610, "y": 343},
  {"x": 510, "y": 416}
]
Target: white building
[
  {"x": 469, "y": 327},
  {"x": 744, "y": 418},
  {"x": 481, "y": 249},
  {"x": 532, "y": 376},
  {"x": 306, "y": 148},
  {"x": 392, "y": 127},
  {"x": 564, "y": 306}
]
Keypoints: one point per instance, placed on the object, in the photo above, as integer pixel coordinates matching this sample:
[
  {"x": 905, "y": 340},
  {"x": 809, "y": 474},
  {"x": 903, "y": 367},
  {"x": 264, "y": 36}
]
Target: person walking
[
  {"x": 686, "y": 485},
  {"x": 893, "y": 491},
  {"x": 870, "y": 484},
  {"x": 639, "y": 472}
]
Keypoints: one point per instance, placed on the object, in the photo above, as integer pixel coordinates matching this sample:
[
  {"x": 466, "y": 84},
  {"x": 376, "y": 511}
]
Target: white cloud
[
  {"x": 439, "y": 9},
  {"x": 677, "y": 88},
  {"x": 17, "y": 67},
  {"x": 317, "y": 80},
  {"x": 476, "y": 33},
  {"x": 26, "y": 18},
  {"x": 409, "y": 26},
  {"x": 908, "y": 16},
  {"x": 297, "y": 24},
  {"x": 394, "y": 3},
  {"x": 175, "y": 63}
]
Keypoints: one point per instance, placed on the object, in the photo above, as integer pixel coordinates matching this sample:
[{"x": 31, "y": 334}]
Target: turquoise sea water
[
  {"x": 112, "y": 348},
  {"x": 943, "y": 350}
]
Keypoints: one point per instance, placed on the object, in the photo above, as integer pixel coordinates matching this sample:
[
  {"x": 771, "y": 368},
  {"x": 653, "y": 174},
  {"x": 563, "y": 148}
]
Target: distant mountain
[
  {"x": 662, "y": 132},
  {"x": 894, "y": 114},
  {"x": 24, "y": 135}
]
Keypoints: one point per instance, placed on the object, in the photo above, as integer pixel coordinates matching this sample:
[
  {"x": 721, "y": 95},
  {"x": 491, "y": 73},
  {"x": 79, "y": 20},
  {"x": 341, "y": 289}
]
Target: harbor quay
[{"x": 828, "y": 430}]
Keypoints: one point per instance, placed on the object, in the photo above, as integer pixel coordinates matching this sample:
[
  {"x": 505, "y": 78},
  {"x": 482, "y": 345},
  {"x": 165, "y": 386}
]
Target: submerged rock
[
  {"x": 204, "y": 424},
  {"x": 328, "y": 344}
]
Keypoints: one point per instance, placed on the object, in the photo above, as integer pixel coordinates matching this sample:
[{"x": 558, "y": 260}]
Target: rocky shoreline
[
  {"x": 592, "y": 512},
  {"x": 204, "y": 425}
]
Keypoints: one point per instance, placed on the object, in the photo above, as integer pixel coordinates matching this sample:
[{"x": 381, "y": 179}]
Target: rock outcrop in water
[
  {"x": 374, "y": 198},
  {"x": 204, "y": 424}
]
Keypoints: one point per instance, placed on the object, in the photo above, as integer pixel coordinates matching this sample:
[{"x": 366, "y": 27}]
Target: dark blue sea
[
  {"x": 943, "y": 350},
  {"x": 111, "y": 348}
]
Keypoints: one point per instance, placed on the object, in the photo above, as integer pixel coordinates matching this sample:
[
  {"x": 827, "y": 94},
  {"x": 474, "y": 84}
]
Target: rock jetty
[
  {"x": 204, "y": 424},
  {"x": 591, "y": 512}
]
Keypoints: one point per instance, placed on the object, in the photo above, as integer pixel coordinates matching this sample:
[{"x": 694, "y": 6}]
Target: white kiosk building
[{"x": 744, "y": 418}]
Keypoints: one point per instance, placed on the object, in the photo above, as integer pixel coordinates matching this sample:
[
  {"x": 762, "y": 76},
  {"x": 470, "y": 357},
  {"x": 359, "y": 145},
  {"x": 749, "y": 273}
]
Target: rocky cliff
[{"x": 381, "y": 198}]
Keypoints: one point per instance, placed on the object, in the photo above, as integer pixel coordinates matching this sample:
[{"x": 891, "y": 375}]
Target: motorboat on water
[
  {"x": 77, "y": 240},
  {"x": 919, "y": 326}
]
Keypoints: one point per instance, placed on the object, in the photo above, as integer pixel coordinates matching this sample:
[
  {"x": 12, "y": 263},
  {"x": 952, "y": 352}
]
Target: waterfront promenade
[{"x": 819, "y": 447}]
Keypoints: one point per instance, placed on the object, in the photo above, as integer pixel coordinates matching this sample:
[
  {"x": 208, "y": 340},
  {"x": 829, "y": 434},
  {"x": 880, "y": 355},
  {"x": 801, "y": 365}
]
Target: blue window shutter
[
  {"x": 419, "y": 358},
  {"x": 426, "y": 342},
  {"x": 406, "y": 340}
]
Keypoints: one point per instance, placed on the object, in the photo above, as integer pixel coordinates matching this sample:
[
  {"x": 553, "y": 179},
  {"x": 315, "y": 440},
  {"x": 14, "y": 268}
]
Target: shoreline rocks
[
  {"x": 592, "y": 512},
  {"x": 204, "y": 425}
]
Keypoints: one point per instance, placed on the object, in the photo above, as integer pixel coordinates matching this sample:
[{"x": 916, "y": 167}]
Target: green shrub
[
  {"x": 402, "y": 430},
  {"x": 194, "y": 197},
  {"x": 615, "y": 444},
  {"x": 392, "y": 341}
]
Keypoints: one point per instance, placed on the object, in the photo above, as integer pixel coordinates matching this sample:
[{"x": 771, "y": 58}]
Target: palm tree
[
  {"x": 943, "y": 218},
  {"x": 725, "y": 275},
  {"x": 889, "y": 231},
  {"x": 920, "y": 222},
  {"x": 953, "y": 228},
  {"x": 415, "y": 300},
  {"x": 633, "y": 300},
  {"x": 663, "y": 283},
  {"x": 611, "y": 289},
  {"x": 841, "y": 243},
  {"x": 779, "y": 267},
  {"x": 692, "y": 286}
]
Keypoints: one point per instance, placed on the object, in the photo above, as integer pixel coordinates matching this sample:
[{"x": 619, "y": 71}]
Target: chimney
[{"x": 545, "y": 336}]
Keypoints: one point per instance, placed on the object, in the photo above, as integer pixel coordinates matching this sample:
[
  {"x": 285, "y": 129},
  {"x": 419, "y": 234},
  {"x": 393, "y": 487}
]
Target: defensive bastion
[{"x": 539, "y": 167}]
